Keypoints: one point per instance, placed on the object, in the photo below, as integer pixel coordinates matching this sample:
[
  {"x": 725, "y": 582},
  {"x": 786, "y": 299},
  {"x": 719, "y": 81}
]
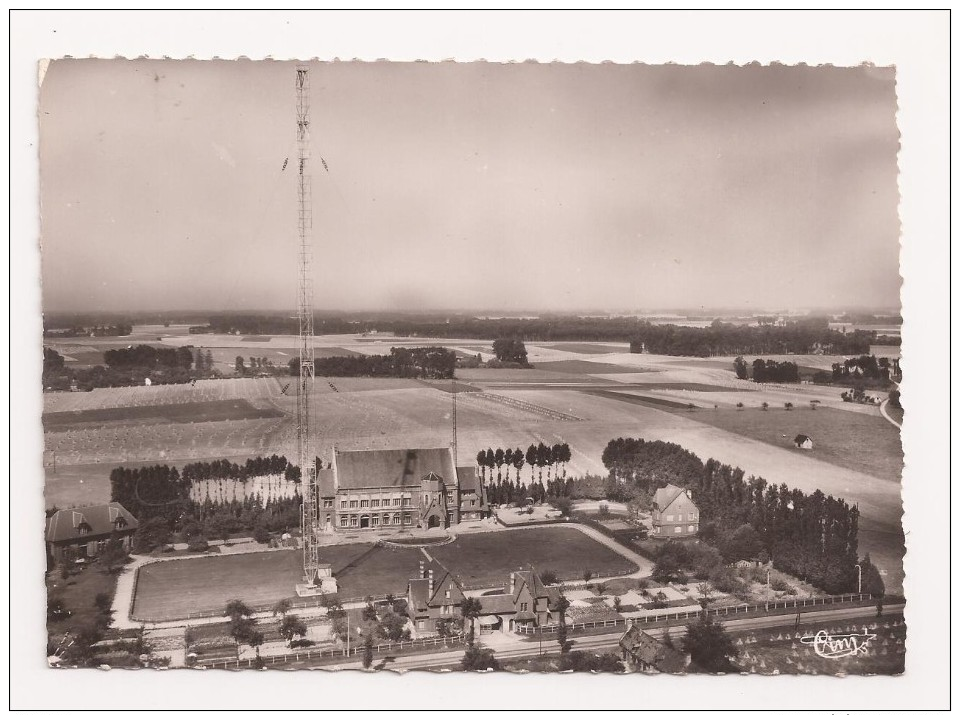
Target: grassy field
[
  {"x": 586, "y": 367},
  {"x": 489, "y": 558},
  {"x": 78, "y": 593},
  {"x": 173, "y": 589},
  {"x": 590, "y": 348},
  {"x": 176, "y": 588},
  {"x": 862, "y": 442},
  {"x": 215, "y": 411}
]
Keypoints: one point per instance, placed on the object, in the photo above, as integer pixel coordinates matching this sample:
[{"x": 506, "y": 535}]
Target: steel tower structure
[{"x": 306, "y": 451}]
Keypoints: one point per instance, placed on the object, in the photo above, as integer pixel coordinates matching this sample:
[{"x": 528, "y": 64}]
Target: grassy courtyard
[
  {"x": 174, "y": 589},
  {"x": 489, "y": 558},
  {"x": 179, "y": 588}
]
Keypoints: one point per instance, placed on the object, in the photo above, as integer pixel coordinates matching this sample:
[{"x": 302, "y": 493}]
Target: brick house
[
  {"x": 523, "y": 600},
  {"x": 397, "y": 488},
  {"x": 674, "y": 513},
  {"x": 430, "y": 600},
  {"x": 83, "y": 532}
]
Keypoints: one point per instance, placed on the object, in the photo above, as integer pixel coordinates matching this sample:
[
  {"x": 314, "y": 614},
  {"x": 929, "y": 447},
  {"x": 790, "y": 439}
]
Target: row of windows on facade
[
  {"x": 679, "y": 529},
  {"x": 375, "y": 520},
  {"x": 690, "y": 517},
  {"x": 367, "y": 503}
]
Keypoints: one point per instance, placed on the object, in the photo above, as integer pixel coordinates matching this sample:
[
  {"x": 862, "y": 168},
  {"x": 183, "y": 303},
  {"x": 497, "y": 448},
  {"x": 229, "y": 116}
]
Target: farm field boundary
[{"x": 213, "y": 411}]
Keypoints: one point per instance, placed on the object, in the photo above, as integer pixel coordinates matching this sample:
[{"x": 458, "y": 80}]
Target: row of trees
[
  {"x": 428, "y": 363},
  {"x": 159, "y": 496},
  {"x": 768, "y": 370},
  {"x": 867, "y": 367},
  {"x": 799, "y": 337},
  {"x": 256, "y": 365},
  {"x": 127, "y": 366},
  {"x": 812, "y": 536},
  {"x": 225, "y": 469},
  {"x": 97, "y": 330},
  {"x": 538, "y": 456}
]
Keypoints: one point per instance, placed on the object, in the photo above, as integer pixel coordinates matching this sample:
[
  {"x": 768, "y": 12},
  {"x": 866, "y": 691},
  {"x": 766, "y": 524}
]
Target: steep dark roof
[
  {"x": 326, "y": 485},
  {"x": 649, "y": 651},
  {"x": 664, "y": 496},
  {"x": 801, "y": 438},
  {"x": 439, "y": 596},
  {"x": 65, "y": 525},
  {"x": 496, "y": 603},
  {"x": 468, "y": 478},
  {"x": 536, "y": 586},
  {"x": 393, "y": 468},
  {"x": 419, "y": 594}
]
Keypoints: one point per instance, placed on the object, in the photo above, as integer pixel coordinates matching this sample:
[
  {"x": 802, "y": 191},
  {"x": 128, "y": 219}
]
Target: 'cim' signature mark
[{"x": 840, "y": 645}]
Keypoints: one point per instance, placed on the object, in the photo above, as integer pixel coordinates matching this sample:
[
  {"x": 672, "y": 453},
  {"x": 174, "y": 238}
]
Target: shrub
[
  {"x": 549, "y": 578},
  {"x": 260, "y": 534},
  {"x": 197, "y": 544},
  {"x": 779, "y": 584}
]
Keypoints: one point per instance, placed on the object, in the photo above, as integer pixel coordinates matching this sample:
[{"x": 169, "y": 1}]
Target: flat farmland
[
  {"x": 488, "y": 558},
  {"x": 591, "y": 348},
  {"x": 249, "y": 388},
  {"x": 213, "y": 411},
  {"x": 861, "y": 442},
  {"x": 585, "y": 367}
]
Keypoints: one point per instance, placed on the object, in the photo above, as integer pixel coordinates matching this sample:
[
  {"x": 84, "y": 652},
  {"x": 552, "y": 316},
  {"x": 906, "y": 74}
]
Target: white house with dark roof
[
  {"x": 83, "y": 532},
  {"x": 674, "y": 513},
  {"x": 398, "y": 488}
]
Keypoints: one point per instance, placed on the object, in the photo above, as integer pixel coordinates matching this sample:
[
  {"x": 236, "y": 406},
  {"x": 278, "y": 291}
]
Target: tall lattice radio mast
[{"x": 306, "y": 451}]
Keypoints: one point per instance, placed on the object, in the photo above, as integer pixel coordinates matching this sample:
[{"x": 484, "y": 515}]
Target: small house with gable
[
  {"x": 674, "y": 513},
  {"x": 643, "y": 653},
  {"x": 83, "y": 532}
]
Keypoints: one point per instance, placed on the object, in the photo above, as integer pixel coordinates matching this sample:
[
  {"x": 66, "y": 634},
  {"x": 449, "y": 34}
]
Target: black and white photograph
[{"x": 528, "y": 367}]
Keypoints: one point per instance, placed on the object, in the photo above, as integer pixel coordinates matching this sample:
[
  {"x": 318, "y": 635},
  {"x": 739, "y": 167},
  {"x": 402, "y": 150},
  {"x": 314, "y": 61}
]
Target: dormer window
[
  {"x": 84, "y": 528},
  {"x": 119, "y": 523}
]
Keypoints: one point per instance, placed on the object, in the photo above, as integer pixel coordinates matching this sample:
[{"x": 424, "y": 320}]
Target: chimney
[
  {"x": 430, "y": 582},
  {"x": 422, "y": 573},
  {"x": 513, "y": 581}
]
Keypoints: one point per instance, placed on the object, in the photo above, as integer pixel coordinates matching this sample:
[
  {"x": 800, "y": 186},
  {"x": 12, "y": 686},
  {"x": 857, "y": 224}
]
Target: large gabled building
[{"x": 397, "y": 488}]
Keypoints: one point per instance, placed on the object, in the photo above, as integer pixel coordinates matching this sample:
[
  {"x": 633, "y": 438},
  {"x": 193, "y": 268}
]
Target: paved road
[{"x": 523, "y": 649}]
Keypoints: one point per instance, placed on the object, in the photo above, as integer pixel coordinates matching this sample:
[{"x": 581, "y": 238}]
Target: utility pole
[
  {"x": 305, "y": 448},
  {"x": 859, "y": 574}
]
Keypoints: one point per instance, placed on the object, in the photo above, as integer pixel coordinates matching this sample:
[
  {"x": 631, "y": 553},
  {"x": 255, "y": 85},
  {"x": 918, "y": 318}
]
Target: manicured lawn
[
  {"x": 487, "y": 559},
  {"x": 175, "y": 589}
]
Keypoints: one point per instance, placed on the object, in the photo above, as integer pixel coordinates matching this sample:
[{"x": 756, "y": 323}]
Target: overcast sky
[{"x": 470, "y": 186}]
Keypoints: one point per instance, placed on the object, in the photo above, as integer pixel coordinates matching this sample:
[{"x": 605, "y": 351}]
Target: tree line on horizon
[{"x": 800, "y": 337}]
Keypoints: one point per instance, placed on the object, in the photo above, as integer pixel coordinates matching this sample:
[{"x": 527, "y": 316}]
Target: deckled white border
[{"x": 915, "y": 43}]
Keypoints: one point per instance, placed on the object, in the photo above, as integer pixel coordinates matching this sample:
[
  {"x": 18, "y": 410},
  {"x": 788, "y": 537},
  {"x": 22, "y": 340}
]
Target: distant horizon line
[{"x": 492, "y": 313}]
